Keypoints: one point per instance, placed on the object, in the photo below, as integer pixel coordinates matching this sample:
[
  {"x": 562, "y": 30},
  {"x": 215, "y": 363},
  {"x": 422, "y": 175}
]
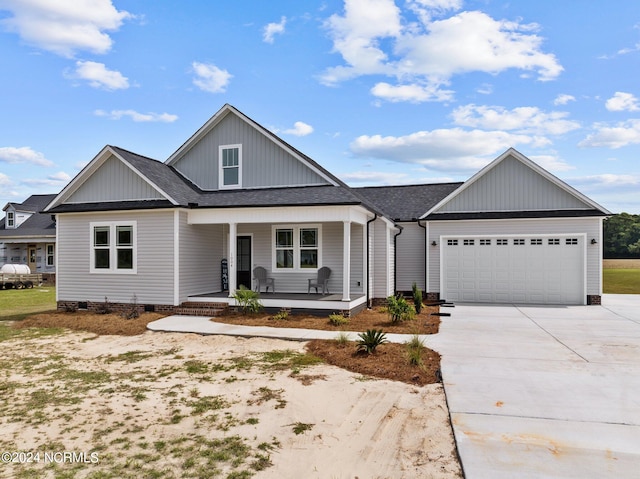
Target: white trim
[
  {"x": 113, "y": 247},
  {"x": 221, "y": 167},
  {"x": 346, "y": 261},
  {"x": 176, "y": 257},
  {"x": 296, "y": 247}
]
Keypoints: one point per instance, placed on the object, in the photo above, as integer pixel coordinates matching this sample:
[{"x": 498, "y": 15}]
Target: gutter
[
  {"x": 426, "y": 254},
  {"x": 395, "y": 257},
  {"x": 375, "y": 217}
]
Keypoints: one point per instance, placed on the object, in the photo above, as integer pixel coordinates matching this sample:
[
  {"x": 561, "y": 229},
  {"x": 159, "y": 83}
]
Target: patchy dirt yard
[{"x": 179, "y": 405}]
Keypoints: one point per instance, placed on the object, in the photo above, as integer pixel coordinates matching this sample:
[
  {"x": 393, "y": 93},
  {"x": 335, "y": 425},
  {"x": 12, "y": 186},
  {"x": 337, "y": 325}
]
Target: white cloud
[
  {"x": 210, "y": 78},
  {"x": 443, "y": 149},
  {"x": 563, "y": 99},
  {"x": 5, "y": 180},
  {"x": 273, "y": 29},
  {"x": 299, "y": 129},
  {"x": 56, "y": 180},
  {"x": 623, "y": 134},
  {"x": 374, "y": 37},
  {"x": 138, "y": 117},
  {"x": 521, "y": 119},
  {"x": 412, "y": 93},
  {"x": 23, "y": 155},
  {"x": 622, "y": 101},
  {"x": 64, "y": 27},
  {"x": 99, "y": 76}
]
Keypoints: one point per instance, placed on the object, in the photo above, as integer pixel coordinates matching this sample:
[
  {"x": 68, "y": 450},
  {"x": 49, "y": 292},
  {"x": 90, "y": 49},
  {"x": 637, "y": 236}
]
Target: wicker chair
[
  {"x": 322, "y": 281},
  {"x": 260, "y": 275}
]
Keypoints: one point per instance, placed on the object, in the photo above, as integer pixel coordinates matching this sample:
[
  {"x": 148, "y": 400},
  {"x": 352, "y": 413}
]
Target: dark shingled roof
[
  {"x": 39, "y": 224},
  {"x": 407, "y": 203}
]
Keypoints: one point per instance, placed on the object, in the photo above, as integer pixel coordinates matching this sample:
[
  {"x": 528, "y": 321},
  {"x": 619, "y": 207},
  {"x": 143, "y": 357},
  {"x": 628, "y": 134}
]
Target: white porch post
[
  {"x": 233, "y": 243},
  {"x": 346, "y": 261}
]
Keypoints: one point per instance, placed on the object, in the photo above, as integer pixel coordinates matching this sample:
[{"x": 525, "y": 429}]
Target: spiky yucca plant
[{"x": 370, "y": 340}]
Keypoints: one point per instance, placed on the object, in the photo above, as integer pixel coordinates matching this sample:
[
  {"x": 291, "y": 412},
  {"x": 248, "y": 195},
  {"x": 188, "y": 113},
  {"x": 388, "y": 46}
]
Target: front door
[
  {"x": 32, "y": 258},
  {"x": 243, "y": 253}
]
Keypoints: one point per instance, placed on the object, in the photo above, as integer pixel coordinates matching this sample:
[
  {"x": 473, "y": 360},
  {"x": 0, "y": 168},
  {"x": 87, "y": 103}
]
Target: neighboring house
[
  {"x": 28, "y": 236},
  {"x": 235, "y": 196}
]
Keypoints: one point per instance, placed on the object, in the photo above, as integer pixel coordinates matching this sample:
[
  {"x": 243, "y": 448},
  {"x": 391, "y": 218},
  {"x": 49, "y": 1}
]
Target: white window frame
[
  {"x": 113, "y": 247},
  {"x": 11, "y": 219},
  {"x": 297, "y": 247},
  {"x": 50, "y": 256},
  {"x": 221, "y": 168}
]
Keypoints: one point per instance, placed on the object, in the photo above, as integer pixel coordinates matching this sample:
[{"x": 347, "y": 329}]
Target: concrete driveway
[{"x": 544, "y": 391}]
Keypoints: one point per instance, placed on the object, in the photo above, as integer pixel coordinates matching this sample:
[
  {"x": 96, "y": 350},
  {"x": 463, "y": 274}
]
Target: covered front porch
[
  {"x": 295, "y": 302},
  {"x": 291, "y": 244}
]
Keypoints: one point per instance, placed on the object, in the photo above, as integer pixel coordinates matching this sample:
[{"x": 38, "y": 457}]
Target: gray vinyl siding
[
  {"x": 114, "y": 181},
  {"x": 589, "y": 226},
  {"x": 201, "y": 252},
  {"x": 154, "y": 281},
  {"x": 512, "y": 186},
  {"x": 410, "y": 257},
  {"x": 264, "y": 164}
]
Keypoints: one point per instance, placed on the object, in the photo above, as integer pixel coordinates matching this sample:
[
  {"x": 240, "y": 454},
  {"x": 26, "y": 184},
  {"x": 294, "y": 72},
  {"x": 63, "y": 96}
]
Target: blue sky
[{"x": 377, "y": 91}]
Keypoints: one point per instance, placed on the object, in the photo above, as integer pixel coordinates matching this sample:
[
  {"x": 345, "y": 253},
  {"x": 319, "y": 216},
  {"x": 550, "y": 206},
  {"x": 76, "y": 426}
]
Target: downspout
[
  {"x": 395, "y": 258},
  {"x": 375, "y": 217},
  {"x": 426, "y": 254}
]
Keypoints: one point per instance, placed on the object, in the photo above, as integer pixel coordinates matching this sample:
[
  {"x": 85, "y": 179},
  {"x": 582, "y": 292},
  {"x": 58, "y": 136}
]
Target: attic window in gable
[
  {"x": 11, "y": 219},
  {"x": 230, "y": 166}
]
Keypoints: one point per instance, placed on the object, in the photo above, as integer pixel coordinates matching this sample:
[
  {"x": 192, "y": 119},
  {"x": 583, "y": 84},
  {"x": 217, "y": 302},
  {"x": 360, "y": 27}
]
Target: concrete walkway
[{"x": 533, "y": 391}]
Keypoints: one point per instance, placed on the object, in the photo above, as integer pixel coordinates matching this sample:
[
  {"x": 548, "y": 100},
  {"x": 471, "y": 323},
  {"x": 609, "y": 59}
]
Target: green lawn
[
  {"x": 16, "y": 304},
  {"x": 621, "y": 281}
]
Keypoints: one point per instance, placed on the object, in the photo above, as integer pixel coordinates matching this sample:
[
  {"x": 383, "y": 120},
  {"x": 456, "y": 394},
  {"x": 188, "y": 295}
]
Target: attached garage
[{"x": 530, "y": 269}]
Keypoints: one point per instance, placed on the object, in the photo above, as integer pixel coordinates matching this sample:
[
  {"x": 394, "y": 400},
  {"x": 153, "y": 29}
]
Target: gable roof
[
  {"x": 582, "y": 205},
  {"x": 407, "y": 202},
  {"x": 39, "y": 224},
  {"x": 229, "y": 109}
]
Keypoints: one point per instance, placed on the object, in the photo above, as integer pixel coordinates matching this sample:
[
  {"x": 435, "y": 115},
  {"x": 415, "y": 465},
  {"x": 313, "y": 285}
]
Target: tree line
[{"x": 622, "y": 236}]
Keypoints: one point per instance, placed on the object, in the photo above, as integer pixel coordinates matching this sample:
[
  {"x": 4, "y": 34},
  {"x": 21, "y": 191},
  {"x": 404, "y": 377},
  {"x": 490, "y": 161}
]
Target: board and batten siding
[
  {"x": 589, "y": 226},
  {"x": 264, "y": 163},
  {"x": 382, "y": 260},
  {"x": 114, "y": 181},
  {"x": 201, "y": 252},
  {"x": 512, "y": 186},
  {"x": 410, "y": 257},
  {"x": 152, "y": 284}
]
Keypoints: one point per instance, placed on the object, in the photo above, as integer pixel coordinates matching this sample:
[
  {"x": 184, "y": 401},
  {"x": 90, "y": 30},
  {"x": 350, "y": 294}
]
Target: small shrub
[
  {"x": 398, "y": 309},
  {"x": 370, "y": 340},
  {"x": 338, "y": 319},
  {"x": 132, "y": 312},
  {"x": 414, "y": 350},
  {"x": 248, "y": 300},
  {"x": 417, "y": 298},
  {"x": 342, "y": 339},
  {"x": 104, "y": 308},
  {"x": 282, "y": 315}
]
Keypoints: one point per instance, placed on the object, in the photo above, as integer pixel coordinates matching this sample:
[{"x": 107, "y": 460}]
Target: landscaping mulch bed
[
  {"x": 375, "y": 318},
  {"x": 92, "y": 322}
]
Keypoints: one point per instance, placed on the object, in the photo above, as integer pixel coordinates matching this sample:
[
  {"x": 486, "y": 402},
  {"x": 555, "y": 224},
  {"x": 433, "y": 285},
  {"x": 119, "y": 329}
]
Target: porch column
[
  {"x": 233, "y": 243},
  {"x": 346, "y": 261}
]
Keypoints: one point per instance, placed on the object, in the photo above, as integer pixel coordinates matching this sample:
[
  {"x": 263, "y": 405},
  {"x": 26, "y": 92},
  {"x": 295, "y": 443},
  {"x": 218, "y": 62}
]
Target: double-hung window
[
  {"x": 11, "y": 219},
  {"x": 51, "y": 251},
  {"x": 113, "y": 247},
  {"x": 230, "y": 166},
  {"x": 296, "y": 247}
]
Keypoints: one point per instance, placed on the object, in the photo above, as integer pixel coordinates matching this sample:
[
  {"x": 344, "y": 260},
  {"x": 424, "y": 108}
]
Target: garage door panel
[{"x": 531, "y": 269}]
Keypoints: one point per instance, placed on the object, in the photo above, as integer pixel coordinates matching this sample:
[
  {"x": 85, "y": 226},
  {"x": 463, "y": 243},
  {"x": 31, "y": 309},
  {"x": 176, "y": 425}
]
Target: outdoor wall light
[
  {"x": 433, "y": 243},
  {"x": 593, "y": 241}
]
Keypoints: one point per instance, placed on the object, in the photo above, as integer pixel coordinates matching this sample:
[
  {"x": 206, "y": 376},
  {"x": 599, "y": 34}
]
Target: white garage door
[{"x": 540, "y": 269}]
